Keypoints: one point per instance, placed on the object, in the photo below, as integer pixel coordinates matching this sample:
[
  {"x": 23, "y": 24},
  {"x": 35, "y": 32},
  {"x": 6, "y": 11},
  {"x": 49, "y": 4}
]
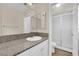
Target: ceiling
[{"x": 64, "y": 7}]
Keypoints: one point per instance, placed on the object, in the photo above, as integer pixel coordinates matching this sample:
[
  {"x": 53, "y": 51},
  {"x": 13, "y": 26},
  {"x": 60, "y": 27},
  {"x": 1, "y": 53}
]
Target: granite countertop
[{"x": 13, "y": 48}]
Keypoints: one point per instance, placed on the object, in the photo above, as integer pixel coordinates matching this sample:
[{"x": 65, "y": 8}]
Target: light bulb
[
  {"x": 30, "y": 4},
  {"x": 58, "y": 5}
]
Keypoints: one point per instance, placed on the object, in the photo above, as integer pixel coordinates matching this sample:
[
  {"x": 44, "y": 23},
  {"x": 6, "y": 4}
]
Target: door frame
[
  {"x": 75, "y": 30},
  {"x": 50, "y": 31}
]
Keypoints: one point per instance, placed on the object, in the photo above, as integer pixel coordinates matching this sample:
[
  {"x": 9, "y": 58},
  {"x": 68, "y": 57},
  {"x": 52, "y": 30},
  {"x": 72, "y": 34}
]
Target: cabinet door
[
  {"x": 35, "y": 51},
  {"x": 40, "y": 49},
  {"x": 44, "y": 50},
  {"x": 25, "y": 53}
]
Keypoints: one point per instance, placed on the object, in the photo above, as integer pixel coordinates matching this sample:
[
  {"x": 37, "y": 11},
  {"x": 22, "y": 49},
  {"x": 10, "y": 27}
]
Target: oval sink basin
[{"x": 34, "y": 38}]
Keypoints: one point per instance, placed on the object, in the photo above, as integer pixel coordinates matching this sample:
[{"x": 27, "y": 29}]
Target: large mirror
[{"x": 17, "y": 18}]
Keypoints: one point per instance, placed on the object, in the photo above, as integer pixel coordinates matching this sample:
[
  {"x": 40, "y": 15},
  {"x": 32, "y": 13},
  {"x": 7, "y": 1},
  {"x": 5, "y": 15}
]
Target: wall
[
  {"x": 0, "y": 21},
  {"x": 12, "y": 19}
]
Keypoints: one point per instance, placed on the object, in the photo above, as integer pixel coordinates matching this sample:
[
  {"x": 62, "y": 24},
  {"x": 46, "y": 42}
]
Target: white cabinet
[
  {"x": 38, "y": 50},
  {"x": 25, "y": 53},
  {"x": 35, "y": 51},
  {"x": 44, "y": 50}
]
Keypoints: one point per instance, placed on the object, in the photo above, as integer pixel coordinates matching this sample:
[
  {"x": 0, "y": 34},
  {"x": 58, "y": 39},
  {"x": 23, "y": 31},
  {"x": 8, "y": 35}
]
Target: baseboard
[
  {"x": 54, "y": 45},
  {"x": 62, "y": 48}
]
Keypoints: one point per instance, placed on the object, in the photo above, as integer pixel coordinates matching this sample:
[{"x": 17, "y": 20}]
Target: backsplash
[{"x": 7, "y": 38}]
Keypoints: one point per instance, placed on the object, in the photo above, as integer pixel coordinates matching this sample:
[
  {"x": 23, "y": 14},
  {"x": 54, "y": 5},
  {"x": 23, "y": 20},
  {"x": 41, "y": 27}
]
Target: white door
[
  {"x": 67, "y": 30},
  {"x": 26, "y": 24},
  {"x": 56, "y": 29},
  {"x": 62, "y": 30}
]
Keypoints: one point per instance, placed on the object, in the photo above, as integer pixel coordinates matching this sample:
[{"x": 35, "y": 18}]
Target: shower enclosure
[{"x": 63, "y": 27}]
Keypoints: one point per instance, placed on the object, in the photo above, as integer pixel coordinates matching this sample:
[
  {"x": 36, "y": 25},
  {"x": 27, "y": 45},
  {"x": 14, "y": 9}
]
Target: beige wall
[
  {"x": 12, "y": 20},
  {"x": 0, "y": 21}
]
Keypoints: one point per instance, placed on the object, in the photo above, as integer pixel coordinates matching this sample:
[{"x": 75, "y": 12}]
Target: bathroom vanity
[
  {"x": 17, "y": 45},
  {"x": 40, "y": 49}
]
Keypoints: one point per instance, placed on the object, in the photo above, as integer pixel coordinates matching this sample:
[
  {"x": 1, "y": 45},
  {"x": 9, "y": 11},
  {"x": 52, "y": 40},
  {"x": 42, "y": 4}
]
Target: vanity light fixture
[
  {"x": 30, "y": 4},
  {"x": 58, "y": 5}
]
